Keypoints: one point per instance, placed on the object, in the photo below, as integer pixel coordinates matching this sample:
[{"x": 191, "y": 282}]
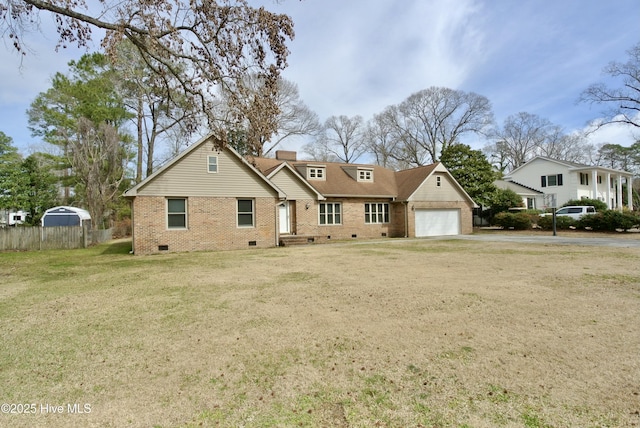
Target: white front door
[{"x": 283, "y": 214}]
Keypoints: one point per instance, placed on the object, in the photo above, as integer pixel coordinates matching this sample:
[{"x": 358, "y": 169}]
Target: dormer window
[
  {"x": 365, "y": 174},
  {"x": 316, "y": 173}
]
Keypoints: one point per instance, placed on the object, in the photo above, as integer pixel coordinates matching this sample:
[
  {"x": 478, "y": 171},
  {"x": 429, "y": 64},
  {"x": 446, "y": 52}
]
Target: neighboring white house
[
  {"x": 570, "y": 180},
  {"x": 12, "y": 217},
  {"x": 532, "y": 199}
]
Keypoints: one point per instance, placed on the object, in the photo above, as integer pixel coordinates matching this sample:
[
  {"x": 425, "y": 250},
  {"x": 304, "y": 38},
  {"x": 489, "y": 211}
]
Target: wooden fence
[{"x": 50, "y": 238}]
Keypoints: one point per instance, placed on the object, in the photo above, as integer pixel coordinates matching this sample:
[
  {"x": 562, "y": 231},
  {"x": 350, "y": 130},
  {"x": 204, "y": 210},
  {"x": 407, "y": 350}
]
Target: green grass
[{"x": 430, "y": 333}]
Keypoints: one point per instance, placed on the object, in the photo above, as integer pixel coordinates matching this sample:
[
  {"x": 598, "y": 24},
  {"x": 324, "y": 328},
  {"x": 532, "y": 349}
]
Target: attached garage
[{"x": 437, "y": 222}]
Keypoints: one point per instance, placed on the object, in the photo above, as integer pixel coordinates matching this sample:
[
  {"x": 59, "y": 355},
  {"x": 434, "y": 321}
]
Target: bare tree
[
  {"x": 567, "y": 147},
  {"x": 318, "y": 152},
  {"x": 343, "y": 137},
  {"x": 157, "y": 111},
  {"x": 623, "y": 100},
  {"x": 293, "y": 117},
  {"x": 98, "y": 157},
  {"x": 196, "y": 45},
  {"x": 525, "y": 135},
  {"x": 519, "y": 139},
  {"x": 382, "y": 140},
  {"x": 433, "y": 119}
]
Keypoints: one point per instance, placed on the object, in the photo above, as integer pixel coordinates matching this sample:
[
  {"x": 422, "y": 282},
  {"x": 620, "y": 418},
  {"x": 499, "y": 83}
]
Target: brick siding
[
  {"x": 352, "y": 216},
  {"x": 211, "y": 225}
]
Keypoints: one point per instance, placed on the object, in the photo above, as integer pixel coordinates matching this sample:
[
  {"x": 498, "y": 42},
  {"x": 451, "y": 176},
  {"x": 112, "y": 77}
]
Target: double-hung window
[
  {"x": 177, "y": 213},
  {"x": 551, "y": 180},
  {"x": 246, "y": 213},
  {"x": 584, "y": 178},
  {"x": 330, "y": 213},
  {"x": 376, "y": 213},
  {"x": 212, "y": 164}
]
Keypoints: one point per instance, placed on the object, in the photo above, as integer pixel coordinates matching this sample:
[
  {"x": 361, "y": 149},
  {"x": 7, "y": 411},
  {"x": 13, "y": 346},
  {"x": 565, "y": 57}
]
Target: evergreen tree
[{"x": 472, "y": 170}]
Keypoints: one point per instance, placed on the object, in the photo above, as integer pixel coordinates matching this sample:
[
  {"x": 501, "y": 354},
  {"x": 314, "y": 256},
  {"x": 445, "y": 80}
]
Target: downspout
[
  {"x": 133, "y": 225},
  {"x": 406, "y": 219}
]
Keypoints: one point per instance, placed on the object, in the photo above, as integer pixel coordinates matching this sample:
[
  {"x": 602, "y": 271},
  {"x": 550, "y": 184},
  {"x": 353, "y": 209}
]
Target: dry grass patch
[{"x": 399, "y": 333}]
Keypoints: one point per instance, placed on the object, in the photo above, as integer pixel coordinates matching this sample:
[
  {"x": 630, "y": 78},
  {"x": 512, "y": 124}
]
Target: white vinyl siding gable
[
  {"x": 446, "y": 191},
  {"x": 190, "y": 176},
  {"x": 291, "y": 185}
]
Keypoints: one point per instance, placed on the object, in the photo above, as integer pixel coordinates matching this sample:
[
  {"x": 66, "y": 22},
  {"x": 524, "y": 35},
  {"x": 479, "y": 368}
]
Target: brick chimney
[{"x": 286, "y": 155}]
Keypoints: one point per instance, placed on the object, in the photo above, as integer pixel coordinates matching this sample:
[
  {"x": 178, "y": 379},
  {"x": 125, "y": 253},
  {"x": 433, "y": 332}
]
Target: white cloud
[
  {"x": 622, "y": 134},
  {"x": 368, "y": 55}
]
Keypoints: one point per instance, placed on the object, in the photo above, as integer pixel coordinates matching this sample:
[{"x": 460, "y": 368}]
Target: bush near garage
[{"x": 516, "y": 221}]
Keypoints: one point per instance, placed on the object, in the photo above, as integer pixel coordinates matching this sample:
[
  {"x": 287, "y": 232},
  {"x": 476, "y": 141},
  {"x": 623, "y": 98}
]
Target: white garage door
[{"x": 437, "y": 222}]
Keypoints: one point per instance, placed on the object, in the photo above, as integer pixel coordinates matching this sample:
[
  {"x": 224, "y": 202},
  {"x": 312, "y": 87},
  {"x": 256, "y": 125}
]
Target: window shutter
[
  {"x": 544, "y": 180},
  {"x": 559, "y": 179}
]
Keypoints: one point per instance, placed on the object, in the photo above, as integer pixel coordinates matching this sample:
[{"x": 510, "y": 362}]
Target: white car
[{"x": 575, "y": 212}]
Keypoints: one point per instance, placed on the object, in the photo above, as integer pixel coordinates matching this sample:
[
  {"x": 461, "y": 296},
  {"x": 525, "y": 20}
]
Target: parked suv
[{"x": 575, "y": 212}]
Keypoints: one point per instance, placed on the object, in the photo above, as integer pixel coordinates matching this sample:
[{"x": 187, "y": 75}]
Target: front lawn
[{"x": 432, "y": 333}]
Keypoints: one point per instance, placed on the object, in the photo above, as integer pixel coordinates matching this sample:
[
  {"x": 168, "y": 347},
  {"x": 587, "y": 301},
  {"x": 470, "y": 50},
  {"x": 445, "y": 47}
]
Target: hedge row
[{"x": 608, "y": 220}]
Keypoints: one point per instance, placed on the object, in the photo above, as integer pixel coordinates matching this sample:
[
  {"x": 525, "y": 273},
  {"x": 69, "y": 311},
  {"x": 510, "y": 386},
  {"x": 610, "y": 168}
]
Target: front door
[{"x": 284, "y": 216}]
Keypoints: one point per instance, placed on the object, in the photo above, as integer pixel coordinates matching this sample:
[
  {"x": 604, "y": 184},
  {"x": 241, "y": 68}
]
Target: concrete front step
[{"x": 289, "y": 240}]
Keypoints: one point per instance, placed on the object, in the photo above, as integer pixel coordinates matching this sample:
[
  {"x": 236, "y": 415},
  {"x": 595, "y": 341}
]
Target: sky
[{"x": 356, "y": 57}]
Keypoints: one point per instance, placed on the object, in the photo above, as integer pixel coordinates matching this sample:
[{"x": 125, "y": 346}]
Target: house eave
[{"x": 393, "y": 197}]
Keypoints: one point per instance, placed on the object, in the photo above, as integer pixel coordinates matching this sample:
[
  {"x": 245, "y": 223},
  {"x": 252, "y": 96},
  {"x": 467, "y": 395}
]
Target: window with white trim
[
  {"x": 365, "y": 175},
  {"x": 584, "y": 178},
  {"x": 330, "y": 213},
  {"x": 212, "y": 164},
  {"x": 376, "y": 213},
  {"x": 551, "y": 180},
  {"x": 438, "y": 181},
  {"x": 177, "y": 213},
  {"x": 246, "y": 213},
  {"x": 316, "y": 173}
]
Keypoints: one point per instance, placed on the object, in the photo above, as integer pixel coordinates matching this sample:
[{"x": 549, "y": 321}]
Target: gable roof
[
  {"x": 270, "y": 167},
  {"x": 571, "y": 165},
  {"x": 517, "y": 187},
  {"x": 410, "y": 179},
  {"x": 132, "y": 192}
]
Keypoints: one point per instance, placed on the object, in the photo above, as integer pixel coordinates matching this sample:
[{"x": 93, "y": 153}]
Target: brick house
[{"x": 209, "y": 199}]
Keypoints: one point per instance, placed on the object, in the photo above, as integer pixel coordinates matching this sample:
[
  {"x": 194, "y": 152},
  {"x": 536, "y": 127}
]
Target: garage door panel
[{"x": 437, "y": 222}]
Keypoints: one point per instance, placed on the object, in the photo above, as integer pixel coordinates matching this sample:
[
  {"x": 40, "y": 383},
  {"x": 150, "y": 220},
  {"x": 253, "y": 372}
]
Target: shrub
[
  {"x": 562, "y": 222},
  {"x": 610, "y": 220},
  {"x": 517, "y": 221}
]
